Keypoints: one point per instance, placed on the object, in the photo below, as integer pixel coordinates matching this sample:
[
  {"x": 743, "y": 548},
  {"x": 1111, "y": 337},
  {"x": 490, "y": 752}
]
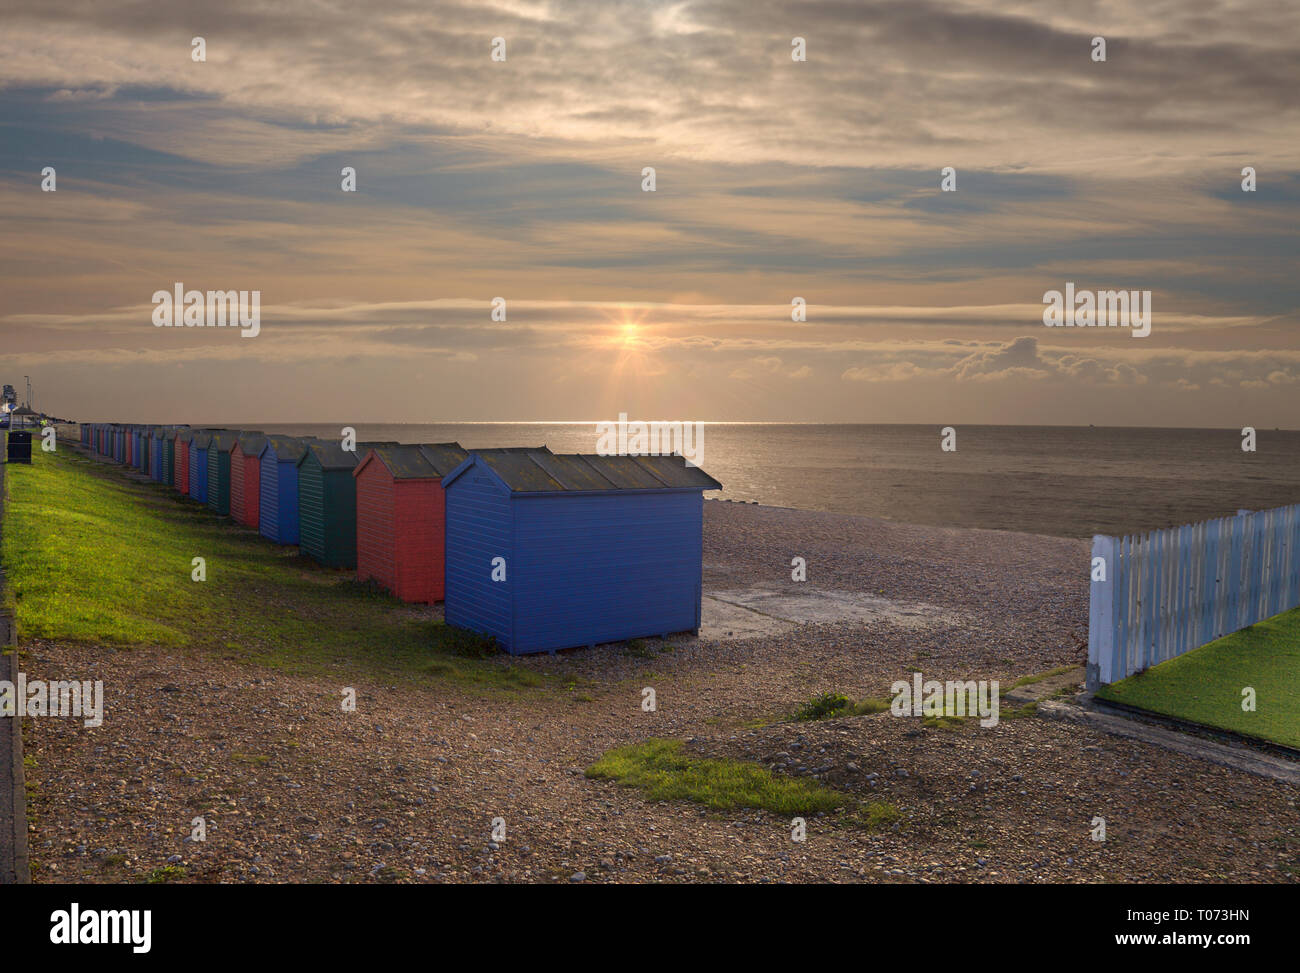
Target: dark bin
[{"x": 20, "y": 447}]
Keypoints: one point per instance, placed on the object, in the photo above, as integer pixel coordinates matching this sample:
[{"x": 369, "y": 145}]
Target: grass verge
[
  {"x": 1206, "y": 685},
  {"x": 92, "y": 556}
]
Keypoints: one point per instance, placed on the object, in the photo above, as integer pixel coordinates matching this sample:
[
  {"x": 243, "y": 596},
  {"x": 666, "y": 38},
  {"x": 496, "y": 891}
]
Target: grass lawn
[
  {"x": 92, "y": 556},
  {"x": 1204, "y": 685}
]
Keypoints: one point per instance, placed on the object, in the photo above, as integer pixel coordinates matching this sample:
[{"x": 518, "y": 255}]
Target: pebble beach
[{"x": 406, "y": 789}]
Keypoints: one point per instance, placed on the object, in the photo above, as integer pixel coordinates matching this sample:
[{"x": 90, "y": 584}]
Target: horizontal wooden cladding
[
  {"x": 400, "y": 534},
  {"x": 375, "y": 552},
  {"x": 607, "y": 567},
  {"x": 581, "y": 569},
  {"x": 182, "y": 482},
  {"x": 268, "y": 522},
  {"x": 478, "y": 530},
  {"x": 198, "y": 474},
  {"x": 245, "y": 487},
  {"x": 311, "y": 510}
]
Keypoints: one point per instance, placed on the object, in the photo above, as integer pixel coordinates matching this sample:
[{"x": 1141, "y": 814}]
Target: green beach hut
[
  {"x": 327, "y": 502},
  {"x": 219, "y": 448}
]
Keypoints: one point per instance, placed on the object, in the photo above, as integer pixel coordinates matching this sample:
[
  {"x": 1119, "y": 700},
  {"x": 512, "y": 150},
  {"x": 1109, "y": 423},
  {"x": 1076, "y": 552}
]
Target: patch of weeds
[
  {"x": 663, "y": 772},
  {"x": 944, "y": 722},
  {"x": 257, "y": 759},
  {"x": 877, "y": 815},
  {"x": 823, "y": 706},
  {"x": 164, "y": 874},
  {"x": 639, "y": 650},
  {"x": 832, "y": 705},
  {"x": 1018, "y": 712}
]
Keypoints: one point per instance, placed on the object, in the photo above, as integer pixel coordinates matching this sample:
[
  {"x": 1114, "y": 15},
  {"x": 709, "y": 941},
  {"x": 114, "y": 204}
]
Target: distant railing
[{"x": 1158, "y": 595}]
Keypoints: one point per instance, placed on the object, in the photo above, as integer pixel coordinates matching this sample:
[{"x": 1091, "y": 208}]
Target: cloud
[
  {"x": 1024, "y": 360},
  {"x": 1002, "y": 85},
  {"x": 775, "y": 179}
]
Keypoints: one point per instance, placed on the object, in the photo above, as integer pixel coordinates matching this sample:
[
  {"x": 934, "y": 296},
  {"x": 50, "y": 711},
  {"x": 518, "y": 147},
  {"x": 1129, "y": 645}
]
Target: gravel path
[{"x": 406, "y": 789}]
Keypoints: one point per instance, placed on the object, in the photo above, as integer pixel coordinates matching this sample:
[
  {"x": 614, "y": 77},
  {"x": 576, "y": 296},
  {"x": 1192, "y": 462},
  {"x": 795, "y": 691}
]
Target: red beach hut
[
  {"x": 245, "y": 478},
  {"x": 181, "y": 467},
  {"x": 401, "y": 523}
]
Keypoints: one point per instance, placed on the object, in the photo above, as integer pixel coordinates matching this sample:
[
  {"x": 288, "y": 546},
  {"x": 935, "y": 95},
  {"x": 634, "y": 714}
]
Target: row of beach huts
[{"x": 539, "y": 550}]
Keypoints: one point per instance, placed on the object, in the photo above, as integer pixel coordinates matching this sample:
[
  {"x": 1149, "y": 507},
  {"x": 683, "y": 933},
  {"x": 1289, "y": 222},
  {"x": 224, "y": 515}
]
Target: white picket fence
[{"x": 1169, "y": 591}]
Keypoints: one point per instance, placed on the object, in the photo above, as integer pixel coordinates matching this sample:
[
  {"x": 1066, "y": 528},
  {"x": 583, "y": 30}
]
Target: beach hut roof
[
  {"x": 251, "y": 443},
  {"x": 287, "y": 448},
  {"x": 541, "y": 471},
  {"x": 443, "y": 457},
  {"x": 202, "y": 439},
  {"x": 332, "y": 455},
  {"x": 225, "y": 441},
  {"x": 418, "y": 461}
]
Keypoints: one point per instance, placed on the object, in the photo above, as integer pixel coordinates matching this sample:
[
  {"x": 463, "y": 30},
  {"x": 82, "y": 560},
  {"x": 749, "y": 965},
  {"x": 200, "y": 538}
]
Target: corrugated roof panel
[
  {"x": 571, "y": 472},
  {"x": 225, "y": 441},
  {"x": 287, "y": 448},
  {"x": 405, "y": 462},
  {"x": 674, "y": 472},
  {"x": 251, "y": 443},
  {"x": 541, "y": 471},
  {"x": 520, "y": 471},
  {"x": 623, "y": 471},
  {"x": 332, "y": 456},
  {"x": 443, "y": 457}
]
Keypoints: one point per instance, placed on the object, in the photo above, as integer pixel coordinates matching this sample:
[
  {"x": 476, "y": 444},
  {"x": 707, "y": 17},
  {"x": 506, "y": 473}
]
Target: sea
[{"x": 1063, "y": 481}]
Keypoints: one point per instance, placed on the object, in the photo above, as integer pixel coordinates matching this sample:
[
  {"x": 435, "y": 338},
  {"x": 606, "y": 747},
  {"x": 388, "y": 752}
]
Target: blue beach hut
[
  {"x": 594, "y": 548},
  {"x": 157, "y": 437},
  {"x": 278, "y": 474},
  {"x": 199, "y": 466}
]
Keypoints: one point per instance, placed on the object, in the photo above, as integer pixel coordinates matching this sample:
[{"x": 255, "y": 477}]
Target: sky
[{"x": 523, "y": 178}]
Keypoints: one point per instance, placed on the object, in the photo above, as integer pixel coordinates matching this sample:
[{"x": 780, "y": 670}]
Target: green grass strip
[
  {"x": 92, "y": 556},
  {"x": 1205, "y": 685}
]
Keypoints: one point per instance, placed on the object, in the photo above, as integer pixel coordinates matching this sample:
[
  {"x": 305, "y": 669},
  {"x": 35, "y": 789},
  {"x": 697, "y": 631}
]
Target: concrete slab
[{"x": 748, "y": 612}]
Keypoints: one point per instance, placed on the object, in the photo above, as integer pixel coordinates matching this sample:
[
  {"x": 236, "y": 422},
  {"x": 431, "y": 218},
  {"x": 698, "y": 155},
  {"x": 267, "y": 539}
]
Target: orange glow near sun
[
  {"x": 627, "y": 334},
  {"x": 628, "y": 350}
]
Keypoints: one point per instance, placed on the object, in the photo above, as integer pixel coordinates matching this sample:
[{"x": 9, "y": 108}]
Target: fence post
[{"x": 1101, "y": 608}]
